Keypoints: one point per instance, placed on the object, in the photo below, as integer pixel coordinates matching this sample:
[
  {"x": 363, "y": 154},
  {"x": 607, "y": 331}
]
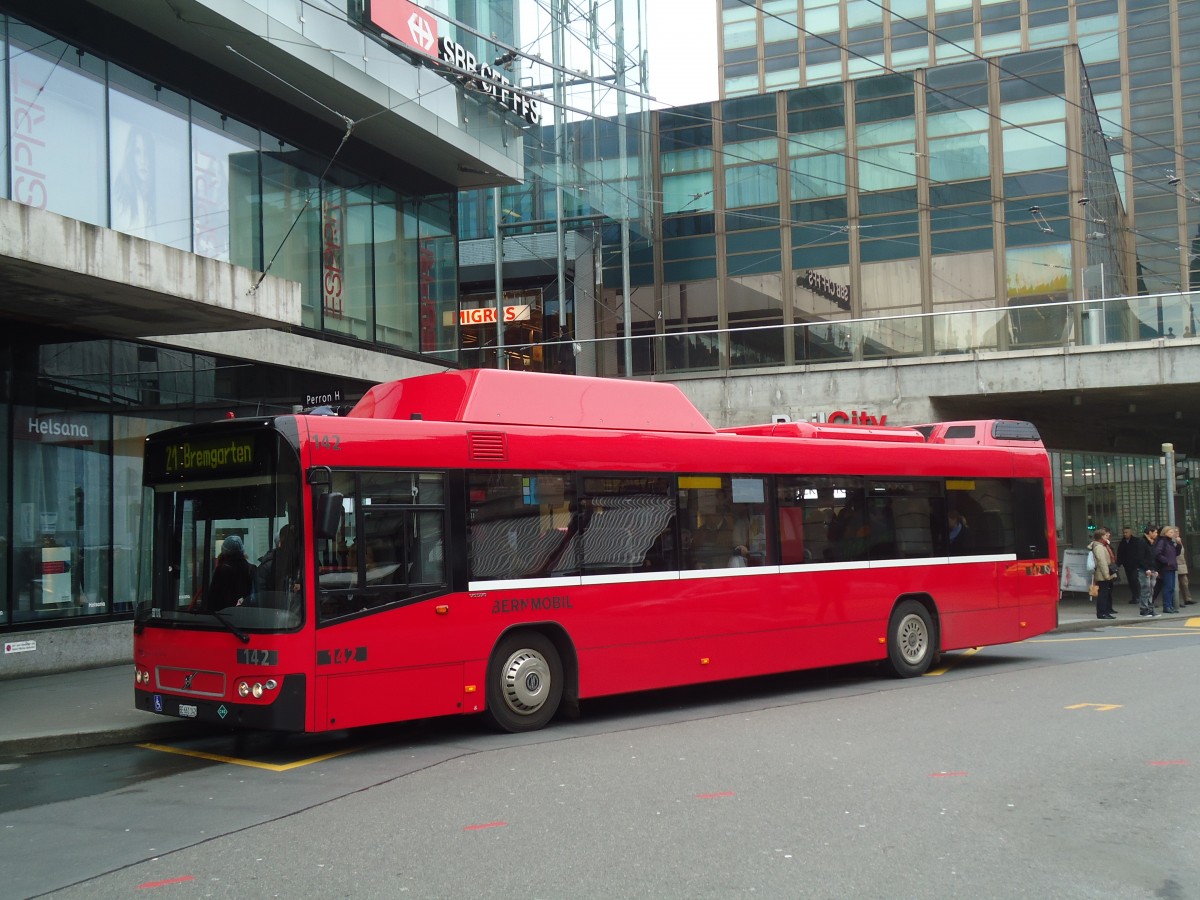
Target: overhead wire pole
[
  {"x": 560, "y": 162},
  {"x": 623, "y": 155},
  {"x": 499, "y": 276},
  {"x": 1169, "y": 507}
]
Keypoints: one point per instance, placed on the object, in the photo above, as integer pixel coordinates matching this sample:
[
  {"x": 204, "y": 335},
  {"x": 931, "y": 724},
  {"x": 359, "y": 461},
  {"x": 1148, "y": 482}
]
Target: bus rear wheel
[
  {"x": 525, "y": 682},
  {"x": 912, "y": 640}
]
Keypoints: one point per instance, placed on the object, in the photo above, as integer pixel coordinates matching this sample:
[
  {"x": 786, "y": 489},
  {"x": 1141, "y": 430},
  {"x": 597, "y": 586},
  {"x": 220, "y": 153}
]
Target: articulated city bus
[{"x": 512, "y": 543}]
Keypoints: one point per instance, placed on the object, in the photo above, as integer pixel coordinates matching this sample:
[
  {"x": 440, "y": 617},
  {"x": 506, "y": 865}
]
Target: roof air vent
[{"x": 487, "y": 445}]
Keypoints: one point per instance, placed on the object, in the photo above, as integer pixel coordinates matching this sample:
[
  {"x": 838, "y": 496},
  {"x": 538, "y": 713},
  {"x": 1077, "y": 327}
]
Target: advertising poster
[{"x": 1073, "y": 573}]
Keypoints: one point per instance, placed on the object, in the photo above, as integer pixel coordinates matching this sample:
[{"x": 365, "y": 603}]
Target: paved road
[{"x": 1062, "y": 767}]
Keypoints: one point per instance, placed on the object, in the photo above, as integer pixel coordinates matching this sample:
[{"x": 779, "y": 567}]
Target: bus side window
[
  {"x": 390, "y": 541},
  {"x": 629, "y": 516},
  {"x": 429, "y": 564},
  {"x": 791, "y": 534},
  {"x": 523, "y": 525},
  {"x": 1031, "y": 537},
  {"x": 1001, "y": 514}
]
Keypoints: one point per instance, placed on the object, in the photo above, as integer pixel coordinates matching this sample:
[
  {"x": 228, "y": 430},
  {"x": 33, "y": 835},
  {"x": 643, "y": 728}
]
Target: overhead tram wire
[
  {"x": 780, "y": 221},
  {"x": 591, "y": 115},
  {"x": 909, "y": 73},
  {"x": 993, "y": 61},
  {"x": 587, "y": 114},
  {"x": 888, "y": 70},
  {"x": 537, "y": 60},
  {"x": 1153, "y": 183}
]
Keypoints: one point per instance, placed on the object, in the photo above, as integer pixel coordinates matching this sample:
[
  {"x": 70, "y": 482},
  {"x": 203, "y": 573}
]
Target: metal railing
[{"x": 1065, "y": 324}]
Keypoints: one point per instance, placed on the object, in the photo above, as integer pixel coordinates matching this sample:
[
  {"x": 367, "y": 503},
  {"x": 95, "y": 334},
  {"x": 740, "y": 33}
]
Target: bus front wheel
[
  {"x": 525, "y": 682},
  {"x": 912, "y": 640}
]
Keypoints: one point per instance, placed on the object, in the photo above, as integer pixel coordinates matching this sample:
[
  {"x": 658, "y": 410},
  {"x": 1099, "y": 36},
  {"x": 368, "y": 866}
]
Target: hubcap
[
  {"x": 914, "y": 639},
  {"x": 526, "y": 681}
]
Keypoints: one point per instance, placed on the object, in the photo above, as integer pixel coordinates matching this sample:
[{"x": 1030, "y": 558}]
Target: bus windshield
[{"x": 226, "y": 531}]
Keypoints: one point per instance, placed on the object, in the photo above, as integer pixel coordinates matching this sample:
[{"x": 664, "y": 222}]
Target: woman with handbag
[
  {"x": 1104, "y": 574},
  {"x": 1183, "y": 593}
]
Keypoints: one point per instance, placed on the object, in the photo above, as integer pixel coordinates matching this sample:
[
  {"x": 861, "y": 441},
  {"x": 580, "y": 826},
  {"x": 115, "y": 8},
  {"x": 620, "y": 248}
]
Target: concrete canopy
[{"x": 65, "y": 273}]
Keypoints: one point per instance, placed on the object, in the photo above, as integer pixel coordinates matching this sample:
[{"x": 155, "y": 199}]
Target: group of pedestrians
[{"x": 1154, "y": 564}]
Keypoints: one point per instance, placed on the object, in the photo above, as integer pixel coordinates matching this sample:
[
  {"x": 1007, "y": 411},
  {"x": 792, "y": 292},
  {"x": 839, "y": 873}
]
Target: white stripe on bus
[{"x": 511, "y": 584}]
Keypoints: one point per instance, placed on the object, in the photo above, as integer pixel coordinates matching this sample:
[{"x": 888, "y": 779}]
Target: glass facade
[
  {"x": 1145, "y": 95},
  {"x": 926, "y": 212},
  {"x": 76, "y": 413},
  {"x": 92, "y": 141},
  {"x": 1119, "y": 491}
]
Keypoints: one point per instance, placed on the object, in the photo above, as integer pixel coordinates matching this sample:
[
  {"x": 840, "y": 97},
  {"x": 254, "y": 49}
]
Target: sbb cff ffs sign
[
  {"x": 486, "y": 315},
  {"x": 405, "y": 22}
]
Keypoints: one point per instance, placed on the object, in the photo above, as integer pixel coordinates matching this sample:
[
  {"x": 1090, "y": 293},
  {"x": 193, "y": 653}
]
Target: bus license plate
[{"x": 187, "y": 710}]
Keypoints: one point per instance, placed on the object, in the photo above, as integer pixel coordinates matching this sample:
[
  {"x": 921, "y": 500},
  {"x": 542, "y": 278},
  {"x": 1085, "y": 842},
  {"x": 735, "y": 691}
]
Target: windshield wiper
[{"x": 237, "y": 632}]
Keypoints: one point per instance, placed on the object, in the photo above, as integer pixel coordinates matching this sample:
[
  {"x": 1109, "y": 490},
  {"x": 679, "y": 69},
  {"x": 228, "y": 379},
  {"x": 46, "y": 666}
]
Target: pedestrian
[
  {"x": 1144, "y": 559},
  {"x": 232, "y": 579},
  {"x": 1127, "y": 560},
  {"x": 1182, "y": 590},
  {"x": 1166, "y": 560},
  {"x": 1105, "y": 572}
]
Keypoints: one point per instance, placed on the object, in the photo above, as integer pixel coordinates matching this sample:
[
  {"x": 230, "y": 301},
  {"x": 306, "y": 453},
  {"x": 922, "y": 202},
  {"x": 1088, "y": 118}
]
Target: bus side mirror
[{"x": 328, "y": 517}]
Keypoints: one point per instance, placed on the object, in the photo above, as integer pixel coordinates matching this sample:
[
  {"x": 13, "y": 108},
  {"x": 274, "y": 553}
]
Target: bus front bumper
[{"x": 284, "y": 713}]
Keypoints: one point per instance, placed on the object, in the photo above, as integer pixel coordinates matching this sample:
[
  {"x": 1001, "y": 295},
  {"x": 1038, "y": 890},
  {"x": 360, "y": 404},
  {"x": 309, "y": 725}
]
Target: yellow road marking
[
  {"x": 946, "y": 668},
  {"x": 1138, "y": 635},
  {"x": 253, "y": 764},
  {"x": 1099, "y": 707}
]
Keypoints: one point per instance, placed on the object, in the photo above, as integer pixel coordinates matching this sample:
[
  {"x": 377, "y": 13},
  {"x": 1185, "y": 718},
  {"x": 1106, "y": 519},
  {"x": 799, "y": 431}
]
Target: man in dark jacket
[
  {"x": 1127, "y": 561},
  {"x": 1144, "y": 561}
]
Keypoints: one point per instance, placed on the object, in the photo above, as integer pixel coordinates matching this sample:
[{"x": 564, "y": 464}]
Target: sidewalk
[{"x": 94, "y": 707}]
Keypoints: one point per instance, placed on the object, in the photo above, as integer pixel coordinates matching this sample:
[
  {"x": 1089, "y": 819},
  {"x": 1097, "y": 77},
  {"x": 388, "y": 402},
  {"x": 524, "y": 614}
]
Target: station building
[{"x": 232, "y": 207}]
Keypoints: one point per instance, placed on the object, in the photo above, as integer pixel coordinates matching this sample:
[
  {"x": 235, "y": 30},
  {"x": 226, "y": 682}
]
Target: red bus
[{"x": 512, "y": 543}]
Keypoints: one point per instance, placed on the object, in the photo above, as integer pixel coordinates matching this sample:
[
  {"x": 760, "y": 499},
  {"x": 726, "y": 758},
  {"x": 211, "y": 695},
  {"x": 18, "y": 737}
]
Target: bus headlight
[{"x": 256, "y": 689}]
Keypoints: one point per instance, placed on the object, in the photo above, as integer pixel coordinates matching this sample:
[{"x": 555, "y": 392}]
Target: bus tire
[
  {"x": 912, "y": 639},
  {"x": 524, "y": 683}
]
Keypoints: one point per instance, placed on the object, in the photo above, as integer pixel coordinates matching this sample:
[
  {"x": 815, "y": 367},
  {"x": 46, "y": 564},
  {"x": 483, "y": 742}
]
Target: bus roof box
[
  {"x": 824, "y": 431},
  {"x": 984, "y": 433},
  {"x": 497, "y": 397}
]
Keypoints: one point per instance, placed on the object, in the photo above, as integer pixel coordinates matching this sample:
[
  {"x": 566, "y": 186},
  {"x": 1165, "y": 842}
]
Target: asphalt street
[{"x": 1061, "y": 767}]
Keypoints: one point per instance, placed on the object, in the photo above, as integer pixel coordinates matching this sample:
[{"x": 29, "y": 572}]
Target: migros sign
[{"x": 486, "y": 315}]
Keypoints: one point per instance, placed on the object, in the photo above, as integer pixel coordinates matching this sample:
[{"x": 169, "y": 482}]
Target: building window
[
  {"x": 61, "y": 498},
  {"x": 57, "y": 128},
  {"x": 150, "y": 172}
]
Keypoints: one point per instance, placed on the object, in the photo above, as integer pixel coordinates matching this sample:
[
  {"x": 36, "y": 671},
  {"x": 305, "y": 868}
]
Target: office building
[{"x": 1141, "y": 59}]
